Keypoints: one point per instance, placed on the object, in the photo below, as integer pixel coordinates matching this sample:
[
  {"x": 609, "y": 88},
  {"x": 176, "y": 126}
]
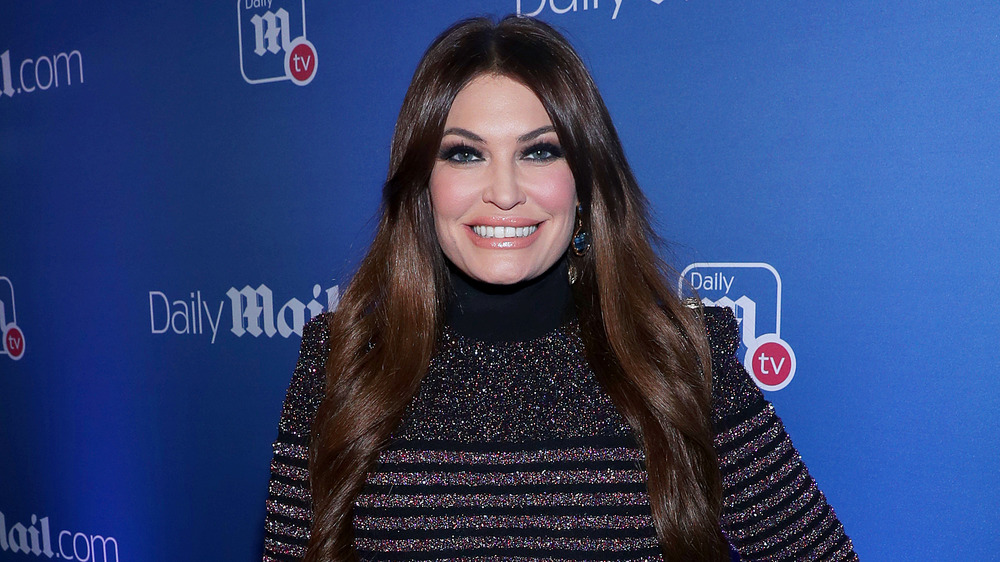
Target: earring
[
  {"x": 572, "y": 273},
  {"x": 581, "y": 238}
]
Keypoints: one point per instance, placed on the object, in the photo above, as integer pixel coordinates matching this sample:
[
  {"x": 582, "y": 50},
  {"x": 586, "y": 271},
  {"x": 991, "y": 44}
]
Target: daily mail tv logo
[
  {"x": 13, "y": 337},
  {"x": 273, "y": 44},
  {"x": 753, "y": 292}
]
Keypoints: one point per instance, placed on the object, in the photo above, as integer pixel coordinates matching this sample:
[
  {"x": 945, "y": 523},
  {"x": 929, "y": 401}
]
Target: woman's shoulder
[
  {"x": 722, "y": 329},
  {"x": 308, "y": 384},
  {"x": 315, "y": 346},
  {"x": 316, "y": 332},
  {"x": 735, "y": 397}
]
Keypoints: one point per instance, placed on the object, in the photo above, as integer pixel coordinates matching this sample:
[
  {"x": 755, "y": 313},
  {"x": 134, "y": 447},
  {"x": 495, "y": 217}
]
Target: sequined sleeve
[
  {"x": 289, "y": 505},
  {"x": 772, "y": 509}
]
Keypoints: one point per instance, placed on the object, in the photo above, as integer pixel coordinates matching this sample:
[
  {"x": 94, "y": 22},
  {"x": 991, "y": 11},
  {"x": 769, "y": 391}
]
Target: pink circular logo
[
  {"x": 13, "y": 342},
  {"x": 771, "y": 362},
  {"x": 301, "y": 61}
]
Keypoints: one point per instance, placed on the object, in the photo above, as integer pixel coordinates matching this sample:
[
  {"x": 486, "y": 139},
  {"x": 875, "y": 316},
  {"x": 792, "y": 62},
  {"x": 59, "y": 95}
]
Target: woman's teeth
[{"x": 504, "y": 231}]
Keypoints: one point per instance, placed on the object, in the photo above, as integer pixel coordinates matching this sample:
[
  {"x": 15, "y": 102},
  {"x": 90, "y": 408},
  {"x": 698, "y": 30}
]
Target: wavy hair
[{"x": 648, "y": 351}]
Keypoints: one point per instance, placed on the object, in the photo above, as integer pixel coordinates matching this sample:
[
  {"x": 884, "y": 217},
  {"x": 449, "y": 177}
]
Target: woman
[{"x": 508, "y": 375}]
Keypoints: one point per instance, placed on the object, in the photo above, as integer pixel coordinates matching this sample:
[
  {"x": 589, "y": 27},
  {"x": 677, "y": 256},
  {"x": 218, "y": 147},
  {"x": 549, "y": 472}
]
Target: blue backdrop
[{"x": 183, "y": 183}]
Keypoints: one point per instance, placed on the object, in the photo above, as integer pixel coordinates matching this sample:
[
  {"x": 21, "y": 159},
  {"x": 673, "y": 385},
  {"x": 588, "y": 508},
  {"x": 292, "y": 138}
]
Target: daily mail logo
[
  {"x": 273, "y": 44},
  {"x": 560, "y": 7},
  {"x": 13, "y": 338},
  {"x": 253, "y": 311},
  {"x": 753, "y": 292}
]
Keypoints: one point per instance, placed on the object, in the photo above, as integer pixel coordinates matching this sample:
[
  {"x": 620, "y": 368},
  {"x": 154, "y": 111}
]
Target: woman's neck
[{"x": 509, "y": 313}]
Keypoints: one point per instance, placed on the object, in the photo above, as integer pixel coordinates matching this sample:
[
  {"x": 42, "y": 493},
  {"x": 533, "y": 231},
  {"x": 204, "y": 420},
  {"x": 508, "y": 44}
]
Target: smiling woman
[
  {"x": 502, "y": 193},
  {"x": 508, "y": 375}
]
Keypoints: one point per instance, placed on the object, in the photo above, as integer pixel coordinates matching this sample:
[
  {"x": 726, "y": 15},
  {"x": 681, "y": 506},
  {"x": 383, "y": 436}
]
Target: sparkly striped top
[{"x": 512, "y": 451}]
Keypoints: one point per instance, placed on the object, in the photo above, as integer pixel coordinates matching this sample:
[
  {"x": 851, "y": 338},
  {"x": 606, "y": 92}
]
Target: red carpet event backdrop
[{"x": 183, "y": 185}]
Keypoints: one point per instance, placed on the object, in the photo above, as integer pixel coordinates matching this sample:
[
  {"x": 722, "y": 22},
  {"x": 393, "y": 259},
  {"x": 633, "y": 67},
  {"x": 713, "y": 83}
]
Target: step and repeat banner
[{"x": 184, "y": 184}]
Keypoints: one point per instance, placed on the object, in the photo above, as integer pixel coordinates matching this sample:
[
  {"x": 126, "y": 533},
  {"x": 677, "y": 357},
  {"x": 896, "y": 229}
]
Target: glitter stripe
[
  {"x": 792, "y": 536},
  {"x": 576, "y": 454},
  {"x": 491, "y": 500},
  {"x": 290, "y": 471},
  {"x": 290, "y": 511},
  {"x": 738, "y": 432},
  {"x": 291, "y": 450},
  {"x": 288, "y": 529},
  {"x": 533, "y": 543},
  {"x": 276, "y": 547},
  {"x": 845, "y": 550},
  {"x": 790, "y": 541},
  {"x": 756, "y": 518},
  {"x": 783, "y": 454},
  {"x": 505, "y": 521},
  {"x": 295, "y": 492},
  {"x": 506, "y": 558},
  {"x": 764, "y": 487},
  {"x": 506, "y": 479},
  {"x": 755, "y": 447}
]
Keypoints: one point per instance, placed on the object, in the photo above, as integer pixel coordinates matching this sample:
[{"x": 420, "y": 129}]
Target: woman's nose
[{"x": 504, "y": 189}]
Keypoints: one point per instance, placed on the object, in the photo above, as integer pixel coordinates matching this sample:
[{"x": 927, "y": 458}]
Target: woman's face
[{"x": 503, "y": 195}]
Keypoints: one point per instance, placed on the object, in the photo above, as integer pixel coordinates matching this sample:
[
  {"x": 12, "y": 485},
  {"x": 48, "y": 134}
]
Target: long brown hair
[{"x": 648, "y": 350}]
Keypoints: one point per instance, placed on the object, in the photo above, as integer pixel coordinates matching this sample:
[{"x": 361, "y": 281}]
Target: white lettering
[
  {"x": 3, "y": 533},
  {"x": 8, "y": 87},
  {"x": 268, "y": 29},
  {"x": 152, "y": 313},
  {"x": 15, "y": 544},
  {"x": 714, "y": 282},
  {"x": 541, "y": 6},
  {"x": 253, "y": 312},
  {"x": 44, "y": 70},
  {"x": 62, "y": 552},
  {"x": 20, "y": 74},
  {"x": 86, "y": 544},
  {"x": 332, "y": 297},
  {"x": 31, "y": 540},
  {"x": 571, "y": 6},
  {"x": 38, "y": 64},
  {"x": 763, "y": 366},
  {"x": 104, "y": 546},
  {"x": 745, "y": 311},
  {"x": 69, "y": 73},
  {"x": 182, "y": 312},
  {"x": 315, "y": 308},
  {"x": 46, "y": 538},
  {"x": 15, "y": 344},
  {"x": 777, "y": 368},
  {"x": 305, "y": 63},
  {"x": 250, "y": 306},
  {"x": 36, "y": 549},
  {"x": 213, "y": 325},
  {"x": 618, "y": 5},
  {"x": 298, "y": 318}
]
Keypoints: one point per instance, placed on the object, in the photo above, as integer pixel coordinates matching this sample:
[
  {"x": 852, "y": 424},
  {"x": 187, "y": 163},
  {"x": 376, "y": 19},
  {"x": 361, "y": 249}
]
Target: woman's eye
[
  {"x": 460, "y": 154},
  {"x": 543, "y": 152}
]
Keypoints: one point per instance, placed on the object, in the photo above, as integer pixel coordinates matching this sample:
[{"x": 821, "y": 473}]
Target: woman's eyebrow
[
  {"x": 464, "y": 133},
  {"x": 536, "y": 133}
]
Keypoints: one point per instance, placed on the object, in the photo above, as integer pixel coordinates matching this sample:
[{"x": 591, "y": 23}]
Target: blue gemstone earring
[{"x": 581, "y": 238}]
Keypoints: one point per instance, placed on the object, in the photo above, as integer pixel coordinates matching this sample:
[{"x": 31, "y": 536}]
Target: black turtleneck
[{"x": 510, "y": 313}]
